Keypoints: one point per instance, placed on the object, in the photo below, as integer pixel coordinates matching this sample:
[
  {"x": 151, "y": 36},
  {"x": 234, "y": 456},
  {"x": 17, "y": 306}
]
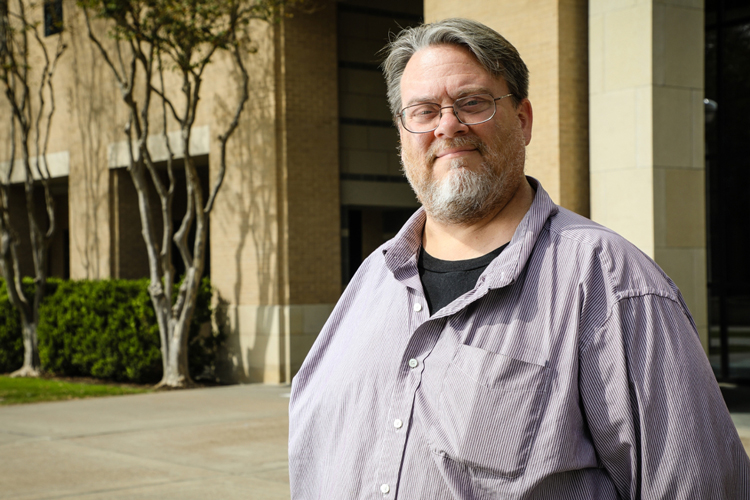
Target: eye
[
  {"x": 473, "y": 104},
  {"x": 421, "y": 112}
]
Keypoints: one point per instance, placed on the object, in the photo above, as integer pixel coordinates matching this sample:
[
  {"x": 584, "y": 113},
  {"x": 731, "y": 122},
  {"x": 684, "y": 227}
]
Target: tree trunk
[
  {"x": 176, "y": 373},
  {"x": 32, "y": 367},
  {"x": 9, "y": 268}
]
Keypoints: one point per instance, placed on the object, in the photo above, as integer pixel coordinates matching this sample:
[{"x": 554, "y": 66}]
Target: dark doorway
[
  {"x": 58, "y": 261},
  {"x": 727, "y": 107}
]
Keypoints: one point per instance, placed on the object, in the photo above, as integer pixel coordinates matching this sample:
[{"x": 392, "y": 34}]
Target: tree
[
  {"x": 184, "y": 35},
  {"x": 30, "y": 124}
]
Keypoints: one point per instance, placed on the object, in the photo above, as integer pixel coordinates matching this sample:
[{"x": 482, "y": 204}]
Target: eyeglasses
[{"x": 471, "y": 110}]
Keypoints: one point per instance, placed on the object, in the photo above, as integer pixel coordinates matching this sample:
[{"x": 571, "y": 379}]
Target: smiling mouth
[{"x": 451, "y": 153}]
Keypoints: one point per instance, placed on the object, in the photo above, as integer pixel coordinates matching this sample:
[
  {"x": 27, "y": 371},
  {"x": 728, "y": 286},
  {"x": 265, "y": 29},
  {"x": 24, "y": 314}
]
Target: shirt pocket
[{"x": 490, "y": 407}]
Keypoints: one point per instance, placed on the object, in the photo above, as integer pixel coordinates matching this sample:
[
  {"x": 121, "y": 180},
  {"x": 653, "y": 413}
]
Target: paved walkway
[{"x": 220, "y": 443}]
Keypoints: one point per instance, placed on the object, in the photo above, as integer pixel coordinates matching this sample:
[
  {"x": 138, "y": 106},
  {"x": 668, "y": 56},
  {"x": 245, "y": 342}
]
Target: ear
[{"x": 526, "y": 118}]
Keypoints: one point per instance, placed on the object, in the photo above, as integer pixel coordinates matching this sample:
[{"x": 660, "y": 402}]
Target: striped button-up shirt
[{"x": 572, "y": 370}]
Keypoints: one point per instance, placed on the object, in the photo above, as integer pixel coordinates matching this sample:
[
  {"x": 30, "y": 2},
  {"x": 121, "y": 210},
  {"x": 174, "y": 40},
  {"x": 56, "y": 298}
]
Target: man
[{"x": 502, "y": 347}]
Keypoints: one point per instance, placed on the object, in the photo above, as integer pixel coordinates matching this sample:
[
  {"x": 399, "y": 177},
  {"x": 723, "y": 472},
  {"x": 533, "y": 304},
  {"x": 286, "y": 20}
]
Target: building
[{"x": 621, "y": 134}]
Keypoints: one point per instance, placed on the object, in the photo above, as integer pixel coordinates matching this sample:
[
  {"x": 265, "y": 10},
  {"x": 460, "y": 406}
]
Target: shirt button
[
  {"x": 397, "y": 423},
  {"x": 384, "y": 488},
  {"x": 417, "y": 307},
  {"x": 413, "y": 363}
]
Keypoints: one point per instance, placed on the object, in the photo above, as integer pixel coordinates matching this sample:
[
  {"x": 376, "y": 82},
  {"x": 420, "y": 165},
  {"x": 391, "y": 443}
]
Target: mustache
[{"x": 457, "y": 142}]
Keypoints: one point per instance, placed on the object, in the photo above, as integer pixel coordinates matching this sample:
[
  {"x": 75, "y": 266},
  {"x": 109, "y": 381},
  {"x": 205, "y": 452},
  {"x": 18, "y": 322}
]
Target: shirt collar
[
  {"x": 510, "y": 263},
  {"x": 401, "y": 252}
]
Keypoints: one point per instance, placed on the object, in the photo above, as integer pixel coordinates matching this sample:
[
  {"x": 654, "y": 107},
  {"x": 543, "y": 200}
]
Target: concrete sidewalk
[
  {"x": 219, "y": 443},
  {"x": 223, "y": 443}
]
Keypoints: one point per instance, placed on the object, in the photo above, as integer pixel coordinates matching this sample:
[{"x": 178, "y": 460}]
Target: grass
[{"x": 33, "y": 390}]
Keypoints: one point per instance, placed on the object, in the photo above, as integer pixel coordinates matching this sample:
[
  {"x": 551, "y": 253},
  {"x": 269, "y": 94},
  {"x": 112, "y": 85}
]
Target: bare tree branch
[
  {"x": 168, "y": 102},
  {"x": 12, "y": 161},
  {"x": 120, "y": 79},
  {"x": 167, "y": 199},
  {"x": 180, "y": 237}
]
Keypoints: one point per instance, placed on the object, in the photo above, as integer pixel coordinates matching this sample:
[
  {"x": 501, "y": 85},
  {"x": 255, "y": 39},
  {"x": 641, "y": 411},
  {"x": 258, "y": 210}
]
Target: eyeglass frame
[{"x": 455, "y": 112}]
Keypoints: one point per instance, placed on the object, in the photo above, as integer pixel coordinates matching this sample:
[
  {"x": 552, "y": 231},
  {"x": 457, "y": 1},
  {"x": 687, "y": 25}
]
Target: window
[{"x": 53, "y": 17}]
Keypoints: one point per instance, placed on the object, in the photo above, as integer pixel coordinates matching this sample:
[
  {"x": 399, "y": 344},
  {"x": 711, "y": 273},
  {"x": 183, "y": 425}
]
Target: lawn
[{"x": 32, "y": 390}]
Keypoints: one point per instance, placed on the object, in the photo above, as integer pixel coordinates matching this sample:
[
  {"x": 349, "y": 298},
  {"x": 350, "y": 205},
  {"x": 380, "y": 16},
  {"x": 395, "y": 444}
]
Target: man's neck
[{"x": 467, "y": 241}]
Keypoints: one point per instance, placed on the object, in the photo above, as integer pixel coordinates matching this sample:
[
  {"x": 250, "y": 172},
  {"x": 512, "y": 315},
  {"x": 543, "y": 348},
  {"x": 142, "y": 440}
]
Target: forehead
[{"x": 445, "y": 71}]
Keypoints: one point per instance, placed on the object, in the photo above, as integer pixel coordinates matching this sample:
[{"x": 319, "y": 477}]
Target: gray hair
[{"x": 496, "y": 54}]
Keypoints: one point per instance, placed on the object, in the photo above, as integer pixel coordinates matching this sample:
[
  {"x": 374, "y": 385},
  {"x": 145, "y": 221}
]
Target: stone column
[{"x": 647, "y": 134}]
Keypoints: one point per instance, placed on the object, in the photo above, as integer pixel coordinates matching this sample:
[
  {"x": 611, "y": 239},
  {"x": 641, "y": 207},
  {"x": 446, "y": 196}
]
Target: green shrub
[
  {"x": 107, "y": 329},
  {"x": 104, "y": 329}
]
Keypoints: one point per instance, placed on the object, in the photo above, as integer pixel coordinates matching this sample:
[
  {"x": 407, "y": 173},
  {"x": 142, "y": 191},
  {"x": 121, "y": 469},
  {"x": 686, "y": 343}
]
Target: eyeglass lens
[{"x": 470, "y": 110}]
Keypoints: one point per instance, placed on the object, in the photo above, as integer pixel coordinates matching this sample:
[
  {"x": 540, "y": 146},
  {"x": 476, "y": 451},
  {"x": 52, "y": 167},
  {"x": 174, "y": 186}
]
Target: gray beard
[{"x": 465, "y": 196}]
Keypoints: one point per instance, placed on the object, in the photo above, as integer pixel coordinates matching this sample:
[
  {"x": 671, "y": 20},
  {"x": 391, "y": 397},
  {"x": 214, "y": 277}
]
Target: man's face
[{"x": 461, "y": 173}]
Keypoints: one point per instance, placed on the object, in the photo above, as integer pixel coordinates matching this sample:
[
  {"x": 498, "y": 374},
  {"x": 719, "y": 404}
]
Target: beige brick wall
[
  {"x": 310, "y": 156},
  {"x": 245, "y": 226}
]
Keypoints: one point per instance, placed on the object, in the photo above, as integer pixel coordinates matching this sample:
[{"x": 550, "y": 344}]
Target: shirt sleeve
[{"x": 655, "y": 412}]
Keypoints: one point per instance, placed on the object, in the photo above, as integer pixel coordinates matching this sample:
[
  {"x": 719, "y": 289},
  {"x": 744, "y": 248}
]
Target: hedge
[{"x": 104, "y": 329}]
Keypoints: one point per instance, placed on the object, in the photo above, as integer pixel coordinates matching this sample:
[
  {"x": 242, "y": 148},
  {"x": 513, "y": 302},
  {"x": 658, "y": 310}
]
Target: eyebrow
[{"x": 462, "y": 93}]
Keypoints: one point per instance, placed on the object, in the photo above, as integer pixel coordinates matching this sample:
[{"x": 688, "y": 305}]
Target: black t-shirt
[{"x": 445, "y": 280}]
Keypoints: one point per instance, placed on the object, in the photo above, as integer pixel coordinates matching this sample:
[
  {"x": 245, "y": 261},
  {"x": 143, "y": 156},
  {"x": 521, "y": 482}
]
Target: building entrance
[{"x": 727, "y": 106}]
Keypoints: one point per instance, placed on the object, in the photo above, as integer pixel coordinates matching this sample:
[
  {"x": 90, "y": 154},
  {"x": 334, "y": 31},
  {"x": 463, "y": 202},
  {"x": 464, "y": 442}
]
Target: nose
[{"x": 449, "y": 125}]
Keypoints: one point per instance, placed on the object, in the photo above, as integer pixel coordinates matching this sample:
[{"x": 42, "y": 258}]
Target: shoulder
[
  {"x": 372, "y": 273},
  {"x": 626, "y": 270},
  {"x": 614, "y": 277}
]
